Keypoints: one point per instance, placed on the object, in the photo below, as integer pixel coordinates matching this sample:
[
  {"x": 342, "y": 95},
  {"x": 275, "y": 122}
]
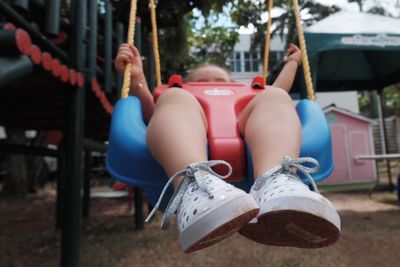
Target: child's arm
[
  {"x": 286, "y": 77},
  {"x": 139, "y": 88}
]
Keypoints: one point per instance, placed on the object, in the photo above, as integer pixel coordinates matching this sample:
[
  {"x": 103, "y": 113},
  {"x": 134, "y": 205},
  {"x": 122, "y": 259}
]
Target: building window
[
  {"x": 235, "y": 60},
  {"x": 252, "y": 61},
  {"x": 275, "y": 57}
]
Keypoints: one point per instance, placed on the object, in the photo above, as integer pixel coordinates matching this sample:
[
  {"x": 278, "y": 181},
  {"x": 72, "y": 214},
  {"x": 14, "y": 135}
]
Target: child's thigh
[
  {"x": 267, "y": 99},
  {"x": 181, "y": 102}
]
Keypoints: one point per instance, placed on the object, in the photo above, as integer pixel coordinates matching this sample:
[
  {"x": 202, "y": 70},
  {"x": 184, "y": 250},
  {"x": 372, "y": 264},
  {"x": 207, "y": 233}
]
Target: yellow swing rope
[
  {"x": 304, "y": 57},
  {"x": 155, "y": 42},
  {"x": 296, "y": 9},
  {"x": 130, "y": 40},
  {"x": 131, "y": 34},
  {"x": 267, "y": 42}
]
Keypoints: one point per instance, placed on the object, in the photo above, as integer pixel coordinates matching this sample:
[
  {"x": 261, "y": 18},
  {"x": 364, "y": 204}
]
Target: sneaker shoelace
[
  {"x": 189, "y": 177},
  {"x": 291, "y": 166}
]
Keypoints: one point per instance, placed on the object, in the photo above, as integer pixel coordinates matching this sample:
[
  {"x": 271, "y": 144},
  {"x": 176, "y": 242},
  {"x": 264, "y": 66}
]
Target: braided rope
[
  {"x": 131, "y": 34},
  {"x": 155, "y": 42},
  {"x": 304, "y": 57},
  {"x": 267, "y": 42}
]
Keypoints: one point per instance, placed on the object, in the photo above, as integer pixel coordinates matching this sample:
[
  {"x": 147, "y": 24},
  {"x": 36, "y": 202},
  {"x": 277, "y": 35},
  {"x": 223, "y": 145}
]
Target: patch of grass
[
  {"x": 388, "y": 199},
  {"x": 347, "y": 187}
]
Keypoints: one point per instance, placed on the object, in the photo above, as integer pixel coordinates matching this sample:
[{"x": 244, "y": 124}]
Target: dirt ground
[{"x": 370, "y": 237}]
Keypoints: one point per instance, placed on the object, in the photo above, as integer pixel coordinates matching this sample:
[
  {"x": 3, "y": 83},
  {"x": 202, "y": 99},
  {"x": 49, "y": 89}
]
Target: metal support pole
[
  {"x": 119, "y": 32},
  {"x": 52, "y": 25},
  {"x": 70, "y": 238},
  {"x": 138, "y": 199},
  {"x": 14, "y": 69},
  {"x": 22, "y": 4},
  {"x": 384, "y": 139},
  {"x": 138, "y": 192},
  {"x": 138, "y": 34},
  {"x": 108, "y": 49},
  {"x": 86, "y": 185},
  {"x": 60, "y": 184},
  {"x": 151, "y": 80},
  {"x": 92, "y": 53}
]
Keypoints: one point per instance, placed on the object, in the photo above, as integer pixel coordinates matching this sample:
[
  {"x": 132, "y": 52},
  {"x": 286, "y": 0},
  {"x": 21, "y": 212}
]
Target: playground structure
[
  {"x": 128, "y": 153},
  {"x": 129, "y": 160},
  {"x": 35, "y": 94},
  {"x": 55, "y": 74}
]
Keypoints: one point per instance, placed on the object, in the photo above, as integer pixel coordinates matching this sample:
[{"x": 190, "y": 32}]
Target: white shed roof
[
  {"x": 346, "y": 22},
  {"x": 333, "y": 108}
]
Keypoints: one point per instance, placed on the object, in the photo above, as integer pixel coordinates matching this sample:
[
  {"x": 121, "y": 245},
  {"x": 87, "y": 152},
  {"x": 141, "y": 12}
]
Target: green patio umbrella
[{"x": 354, "y": 51}]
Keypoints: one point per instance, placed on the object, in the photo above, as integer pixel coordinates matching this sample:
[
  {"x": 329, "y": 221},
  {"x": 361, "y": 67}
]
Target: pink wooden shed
[{"x": 351, "y": 136}]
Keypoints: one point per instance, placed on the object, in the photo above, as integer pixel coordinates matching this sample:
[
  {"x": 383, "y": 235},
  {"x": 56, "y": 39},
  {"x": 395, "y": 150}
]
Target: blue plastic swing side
[{"x": 129, "y": 160}]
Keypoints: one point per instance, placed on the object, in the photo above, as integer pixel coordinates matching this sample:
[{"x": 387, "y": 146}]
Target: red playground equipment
[{"x": 225, "y": 142}]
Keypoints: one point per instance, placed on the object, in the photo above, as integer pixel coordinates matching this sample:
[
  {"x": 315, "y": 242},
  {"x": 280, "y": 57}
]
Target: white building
[{"x": 246, "y": 63}]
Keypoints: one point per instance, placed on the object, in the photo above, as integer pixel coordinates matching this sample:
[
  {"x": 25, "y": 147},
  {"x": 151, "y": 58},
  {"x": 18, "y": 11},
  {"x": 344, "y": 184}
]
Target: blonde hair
[{"x": 191, "y": 72}]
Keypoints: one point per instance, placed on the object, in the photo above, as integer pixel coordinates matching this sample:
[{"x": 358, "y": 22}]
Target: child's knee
[
  {"x": 181, "y": 99},
  {"x": 176, "y": 95},
  {"x": 272, "y": 94}
]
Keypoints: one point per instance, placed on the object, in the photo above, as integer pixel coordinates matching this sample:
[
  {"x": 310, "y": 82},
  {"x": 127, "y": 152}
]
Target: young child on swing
[{"x": 279, "y": 209}]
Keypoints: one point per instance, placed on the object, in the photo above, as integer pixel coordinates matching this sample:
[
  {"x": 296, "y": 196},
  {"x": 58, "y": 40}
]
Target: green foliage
[
  {"x": 391, "y": 102},
  {"x": 379, "y": 11},
  {"x": 246, "y": 12},
  {"x": 360, "y": 3},
  {"x": 391, "y": 96},
  {"x": 211, "y": 44},
  {"x": 368, "y": 104},
  {"x": 174, "y": 48},
  {"x": 177, "y": 32},
  {"x": 376, "y": 9},
  {"x": 208, "y": 8}
]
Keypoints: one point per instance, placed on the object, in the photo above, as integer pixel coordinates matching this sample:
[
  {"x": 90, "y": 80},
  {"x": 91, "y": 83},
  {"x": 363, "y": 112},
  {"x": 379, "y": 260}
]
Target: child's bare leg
[
  {"x": 208, "y": 209},
  {"x": 290, "y": 214},
  {"x": 177, "y": 132},
  {"x": 271, "y": 129}
]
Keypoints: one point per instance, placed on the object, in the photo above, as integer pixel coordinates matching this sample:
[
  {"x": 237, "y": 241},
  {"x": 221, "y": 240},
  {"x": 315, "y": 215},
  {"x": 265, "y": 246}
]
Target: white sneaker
[
  {"x": 208, "y": 209},
  {"x": 290, "y": 213}
]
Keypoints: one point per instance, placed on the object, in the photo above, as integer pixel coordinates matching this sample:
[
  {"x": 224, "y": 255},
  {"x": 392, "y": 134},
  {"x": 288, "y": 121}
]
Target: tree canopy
[
  {"x": 209, "y": 42},
  {"x": 185, "y": 43}
]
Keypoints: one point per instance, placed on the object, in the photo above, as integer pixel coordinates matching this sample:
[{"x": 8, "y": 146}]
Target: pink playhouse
[{"x": 351, "y": 136}]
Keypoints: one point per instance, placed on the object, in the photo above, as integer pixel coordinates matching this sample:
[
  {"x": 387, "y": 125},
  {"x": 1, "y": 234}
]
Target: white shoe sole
[
  {"x": 219, "y": 223},
  {"x": 295, "y": 222}
]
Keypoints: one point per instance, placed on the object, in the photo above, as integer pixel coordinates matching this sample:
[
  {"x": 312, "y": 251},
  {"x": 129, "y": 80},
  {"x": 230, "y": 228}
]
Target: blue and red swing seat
[{"x": 129, "y": 160}]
